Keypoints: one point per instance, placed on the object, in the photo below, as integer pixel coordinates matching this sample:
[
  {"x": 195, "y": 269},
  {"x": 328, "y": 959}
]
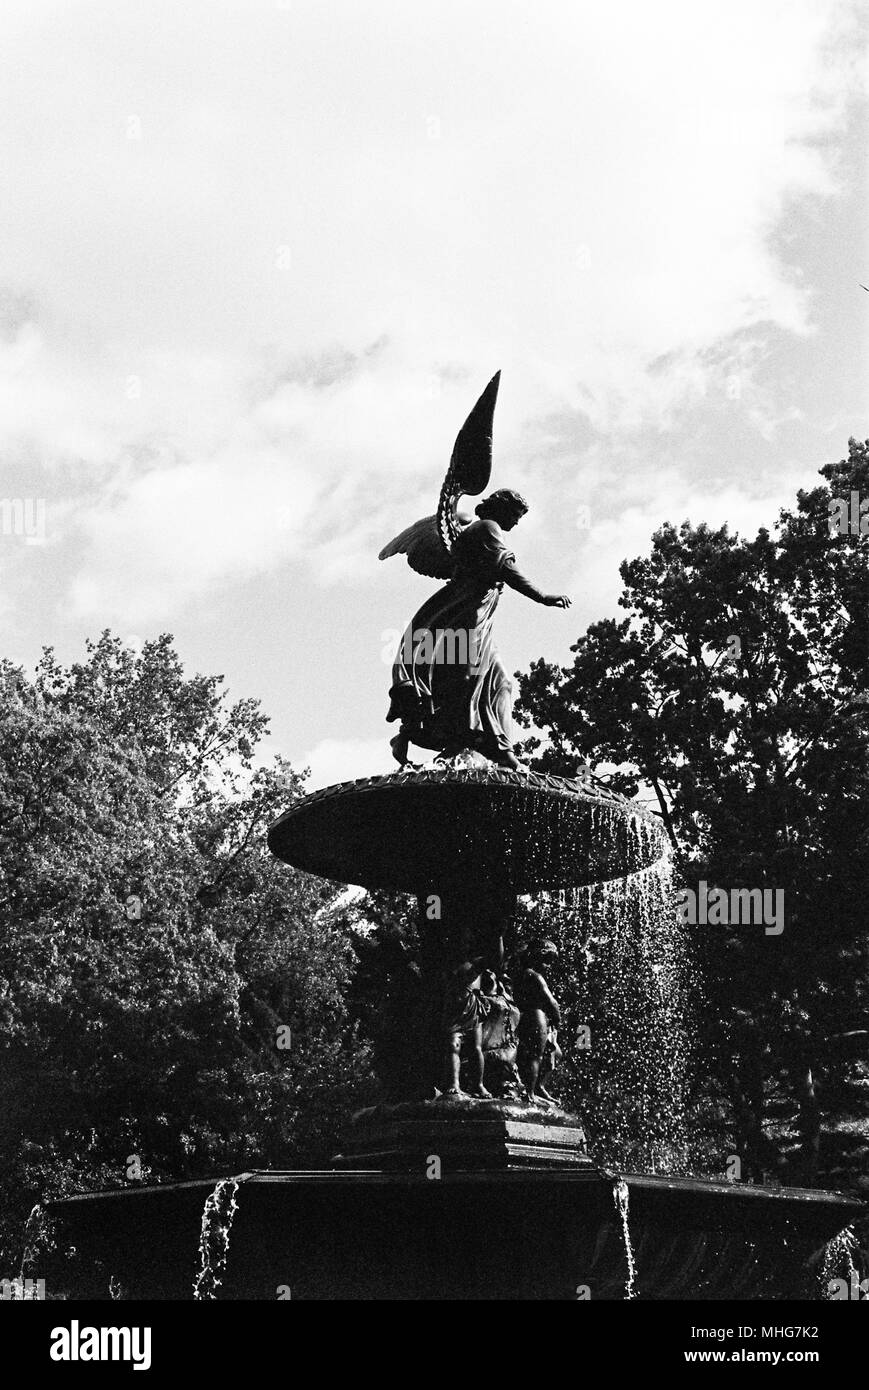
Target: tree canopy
[
  {"x": 734, "y": 696},
  {"x": 171, "y": 1003}
]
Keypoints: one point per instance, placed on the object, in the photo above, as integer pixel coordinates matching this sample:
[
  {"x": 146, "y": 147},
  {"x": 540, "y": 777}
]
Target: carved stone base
[{"x": 465, "y": 1135}]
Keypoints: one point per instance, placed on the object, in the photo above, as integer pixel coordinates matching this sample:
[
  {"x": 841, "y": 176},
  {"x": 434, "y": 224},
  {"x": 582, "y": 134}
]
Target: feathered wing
[
  {"x": 425, "y": 551},
  {"x": 428, "y": 542},
  {"x": 471, "y": 462}
]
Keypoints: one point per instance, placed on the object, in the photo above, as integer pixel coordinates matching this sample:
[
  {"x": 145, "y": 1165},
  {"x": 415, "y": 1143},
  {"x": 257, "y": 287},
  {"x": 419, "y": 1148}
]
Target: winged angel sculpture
[{"x": 450, "y": 691}]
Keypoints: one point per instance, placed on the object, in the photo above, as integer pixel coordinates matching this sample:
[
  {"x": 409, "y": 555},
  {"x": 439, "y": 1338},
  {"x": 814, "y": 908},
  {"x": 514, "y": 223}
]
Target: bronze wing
[
  {"x": 423, "y": 547},
  {"x": 428, "y": 543}
]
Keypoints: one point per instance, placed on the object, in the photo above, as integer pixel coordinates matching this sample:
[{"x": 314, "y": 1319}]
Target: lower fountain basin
[
  {"x": 538, "y": 1235},
  {"x": 440, "y": 825}
]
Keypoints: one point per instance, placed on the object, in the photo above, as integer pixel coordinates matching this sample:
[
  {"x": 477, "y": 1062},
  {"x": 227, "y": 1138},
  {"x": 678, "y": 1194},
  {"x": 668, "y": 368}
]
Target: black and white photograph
[{"x": 434, "y": 676}]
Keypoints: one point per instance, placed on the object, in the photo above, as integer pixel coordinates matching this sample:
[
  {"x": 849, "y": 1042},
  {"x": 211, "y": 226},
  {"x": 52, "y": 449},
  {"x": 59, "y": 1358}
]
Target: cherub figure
[
  {"x": 450, "y": 690},
  {"x": 538, "y": 1024},
  {"x": 500, "y": 1036},
  {"x": 465, "y": 1008}
]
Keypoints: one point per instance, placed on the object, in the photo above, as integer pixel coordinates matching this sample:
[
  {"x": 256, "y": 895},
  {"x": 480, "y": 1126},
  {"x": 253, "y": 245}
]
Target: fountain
[
  {"x": 473, "y": 1182},
  {"x": 468, "y": 837}
]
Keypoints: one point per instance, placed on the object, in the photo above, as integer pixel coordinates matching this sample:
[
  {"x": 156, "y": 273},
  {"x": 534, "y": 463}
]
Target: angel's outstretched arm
[{"x": 514, "y": 580}]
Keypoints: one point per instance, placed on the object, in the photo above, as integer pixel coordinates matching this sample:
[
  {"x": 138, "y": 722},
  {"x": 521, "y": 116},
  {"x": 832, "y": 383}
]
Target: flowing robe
[{"x": 449, "y": 687}]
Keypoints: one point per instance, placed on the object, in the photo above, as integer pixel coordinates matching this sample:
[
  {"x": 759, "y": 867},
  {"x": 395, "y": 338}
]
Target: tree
[
  {"x": 170, "y": 1001},
  {"x": 736, "y": 695}
]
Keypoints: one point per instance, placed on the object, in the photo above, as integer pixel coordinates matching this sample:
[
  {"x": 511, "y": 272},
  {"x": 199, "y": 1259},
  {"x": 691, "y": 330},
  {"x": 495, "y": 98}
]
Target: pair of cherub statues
[{"x": 508, "y": 1037}]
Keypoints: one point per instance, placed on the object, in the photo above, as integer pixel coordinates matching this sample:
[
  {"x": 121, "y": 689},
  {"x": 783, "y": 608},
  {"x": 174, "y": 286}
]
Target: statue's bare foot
[
  {"x": 539, "y": 1098},
  {"x": 453, "y": 1093},
  {"x": 399, "y": 746},
  {"x": 505, "y": 757},
  {"x": 481, "y": 1093},
  {"x": 544, "y": 1095}
]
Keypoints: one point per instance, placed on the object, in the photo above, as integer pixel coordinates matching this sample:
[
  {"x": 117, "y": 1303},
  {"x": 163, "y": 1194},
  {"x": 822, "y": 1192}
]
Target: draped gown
[{"x": 449, "y": 688}]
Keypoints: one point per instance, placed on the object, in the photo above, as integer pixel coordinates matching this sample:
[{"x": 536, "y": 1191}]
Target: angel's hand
[{"x": 557, "y": 601}]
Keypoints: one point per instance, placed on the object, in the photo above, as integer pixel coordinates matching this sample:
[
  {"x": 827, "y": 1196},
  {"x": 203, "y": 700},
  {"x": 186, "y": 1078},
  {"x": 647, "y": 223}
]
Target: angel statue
[{"x": 450, "y": 691}]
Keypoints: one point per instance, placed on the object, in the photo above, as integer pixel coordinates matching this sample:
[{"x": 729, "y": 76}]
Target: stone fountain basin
[
  {"x": 529, "y": 1235},
  {"x": 429, "y": 828}
]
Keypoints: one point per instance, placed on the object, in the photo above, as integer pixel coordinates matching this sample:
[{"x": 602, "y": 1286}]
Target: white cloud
[
  {"x": 344, "y": 759},
  {"x": 273, "y": 252},
  {"x": 596, "y": 583},
  {"x": 173, "y": 532}
]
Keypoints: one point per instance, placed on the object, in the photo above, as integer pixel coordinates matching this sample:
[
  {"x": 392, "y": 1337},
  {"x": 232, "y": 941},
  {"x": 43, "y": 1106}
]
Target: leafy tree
[
  {"x": 171, "y": 1000},
  {"x": 735, "y": 694}
]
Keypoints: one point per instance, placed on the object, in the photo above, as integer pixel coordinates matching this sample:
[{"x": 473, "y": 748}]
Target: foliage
[
  {"x": 151, "y": 947},
  {"x": 736, "y": 694}
]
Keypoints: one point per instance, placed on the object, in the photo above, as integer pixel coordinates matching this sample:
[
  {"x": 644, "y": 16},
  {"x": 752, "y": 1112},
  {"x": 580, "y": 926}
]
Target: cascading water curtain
[{"x": 628, "y": 991}]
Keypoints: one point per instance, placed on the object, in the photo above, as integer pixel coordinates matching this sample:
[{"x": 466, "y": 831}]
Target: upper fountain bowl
[{"x": 453, "y": 823}]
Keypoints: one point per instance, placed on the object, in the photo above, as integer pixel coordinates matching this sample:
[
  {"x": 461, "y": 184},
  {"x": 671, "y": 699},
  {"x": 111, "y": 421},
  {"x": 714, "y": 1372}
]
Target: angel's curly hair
[{"x": 504, "y": 497}]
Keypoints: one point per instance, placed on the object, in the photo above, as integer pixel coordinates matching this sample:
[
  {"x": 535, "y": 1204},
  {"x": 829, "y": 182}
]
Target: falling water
[
  {"x": 34, "y": 1230},
  {"x": 217, "y": 1214},
  {"x": 37, "y": 1234},
  {"x": 627, "y": 979},
  {"x": 838, "y": 1262},
  {"x": 621, "y": 1198}
]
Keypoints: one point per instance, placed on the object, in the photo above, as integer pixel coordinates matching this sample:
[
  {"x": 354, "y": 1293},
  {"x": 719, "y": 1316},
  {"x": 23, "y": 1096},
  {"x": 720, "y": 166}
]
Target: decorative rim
[
  {"x": 589, "y": 788},
  {"x": 342, "y": 832}
]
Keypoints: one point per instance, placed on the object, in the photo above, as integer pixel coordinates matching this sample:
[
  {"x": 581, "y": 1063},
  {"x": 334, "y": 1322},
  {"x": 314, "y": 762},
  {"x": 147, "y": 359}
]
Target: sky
[{"x": 257, "y": 261}]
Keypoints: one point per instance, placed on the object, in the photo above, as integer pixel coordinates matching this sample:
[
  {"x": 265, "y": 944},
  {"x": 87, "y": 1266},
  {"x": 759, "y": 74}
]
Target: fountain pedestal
[
  {"x": 467, "y": 837},
  {"x": 464, "y": 1136}
]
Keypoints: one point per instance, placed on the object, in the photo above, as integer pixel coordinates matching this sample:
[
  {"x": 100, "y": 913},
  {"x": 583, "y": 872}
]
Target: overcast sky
[{"x": 257, "y": 260}]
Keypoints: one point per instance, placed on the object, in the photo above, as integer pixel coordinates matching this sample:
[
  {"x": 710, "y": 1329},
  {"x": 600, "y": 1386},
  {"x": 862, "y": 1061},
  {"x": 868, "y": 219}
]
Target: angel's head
[{"x": 504, "y": 506}]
